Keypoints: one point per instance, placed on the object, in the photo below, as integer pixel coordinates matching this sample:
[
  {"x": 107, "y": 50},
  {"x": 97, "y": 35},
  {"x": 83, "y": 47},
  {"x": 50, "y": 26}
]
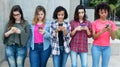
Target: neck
[
  {"x": 17, "y": 21},
  {"x": 60, "y": 21},
  {"x": 40, "y": 22},
  {"x": 81, "y": 20},
  {"x": 103, "y": 19}
]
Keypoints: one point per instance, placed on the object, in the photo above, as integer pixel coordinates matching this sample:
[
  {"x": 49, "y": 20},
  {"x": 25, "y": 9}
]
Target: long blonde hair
[{"x": 38, "y": 9}]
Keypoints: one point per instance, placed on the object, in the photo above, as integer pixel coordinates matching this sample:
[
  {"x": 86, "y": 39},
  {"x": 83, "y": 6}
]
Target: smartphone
[
  {"x": 83, "y": 24},
  {"x": 107, "y": 25},
  {"x": 40, "y": 28},
  {"x": 60, "y": 24}
]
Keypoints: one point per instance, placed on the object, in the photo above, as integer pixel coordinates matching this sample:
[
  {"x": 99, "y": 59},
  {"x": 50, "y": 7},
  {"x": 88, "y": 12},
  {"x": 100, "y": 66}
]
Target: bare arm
[
  {"x": 78, "y": 28},
  {"x": 95, "y": 35}
]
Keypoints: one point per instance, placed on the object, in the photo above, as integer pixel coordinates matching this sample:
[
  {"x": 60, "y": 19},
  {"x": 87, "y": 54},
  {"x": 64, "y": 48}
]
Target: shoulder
[
  {"x": 73, "y": 22},
  {"x": 66, "y": 22},
  {"x": 111, "y": 22},
  {"x": 87, "y": 21},
  {"x": 26, "y": 22},
  {"x": 30, "y": 24},
  {"x": 96, "y": 21},
  {"x": 53, "y": 22},
  {"x": 47, "y": 21}
]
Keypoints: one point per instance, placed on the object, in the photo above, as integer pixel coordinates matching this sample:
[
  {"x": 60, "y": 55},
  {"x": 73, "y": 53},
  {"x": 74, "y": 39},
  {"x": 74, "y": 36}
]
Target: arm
[
  {"x": 25, "y": 34},
  {"x": 7, "y": 34},
  {"x": 47, "y": 30},
  {"x": 112, "y": 34},
  {"x": 112, "y": 30},
  {"x": 95, "y": 35},
  {"x": 53, "y": 31},
  {"x": 67, "y": 31},
  {"x": 12, "y": 31},
  {"x": 89, "y": 30},
  {"x": 74, "y": 30}
]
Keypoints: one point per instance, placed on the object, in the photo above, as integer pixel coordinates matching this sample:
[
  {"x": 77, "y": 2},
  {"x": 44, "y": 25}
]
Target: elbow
[
  {"x": 93, "y": 37},
  {"x": 71, "y": 35},
  {"x": 89, "y": 35},
  {"x": 113, "y": 38},
  {"x": 5, "y": 35}
]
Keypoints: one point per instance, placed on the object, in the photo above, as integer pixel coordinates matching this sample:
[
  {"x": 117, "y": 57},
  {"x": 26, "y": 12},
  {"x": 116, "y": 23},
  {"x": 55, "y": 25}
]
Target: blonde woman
[{"x": 39, "y": 41}]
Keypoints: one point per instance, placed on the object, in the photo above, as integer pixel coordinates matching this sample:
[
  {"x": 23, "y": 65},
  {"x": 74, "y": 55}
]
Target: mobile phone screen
[
  {"x": 40, "y": 28},
  {"x": 60, "y": 25}
]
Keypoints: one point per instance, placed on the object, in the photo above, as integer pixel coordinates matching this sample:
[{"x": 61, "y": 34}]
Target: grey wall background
[{"x": 28, "y": 7}]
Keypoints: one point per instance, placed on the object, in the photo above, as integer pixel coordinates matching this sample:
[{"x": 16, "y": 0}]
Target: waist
[{"x": 38, "y": 43}]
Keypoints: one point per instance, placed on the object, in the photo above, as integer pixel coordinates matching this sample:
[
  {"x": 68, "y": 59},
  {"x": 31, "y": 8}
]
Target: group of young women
[{"x": 59, "y": 38}]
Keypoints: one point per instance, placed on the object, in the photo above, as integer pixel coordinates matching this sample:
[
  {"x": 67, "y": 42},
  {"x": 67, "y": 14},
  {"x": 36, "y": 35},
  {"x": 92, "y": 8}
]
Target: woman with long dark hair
[
  {"x": 15, "y": 37},
  {"x": 81, "y": 30}
]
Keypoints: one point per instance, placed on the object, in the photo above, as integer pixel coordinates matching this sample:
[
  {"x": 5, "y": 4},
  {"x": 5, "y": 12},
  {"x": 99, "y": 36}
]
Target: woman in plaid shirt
[
  {"x": 80, "y": 31},
  {"x": 60, "y": 34}
]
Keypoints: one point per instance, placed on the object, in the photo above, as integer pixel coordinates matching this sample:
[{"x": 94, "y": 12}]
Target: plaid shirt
[
  {"x": 79, "y": 42},
  {"x": 55, "y": 39}
]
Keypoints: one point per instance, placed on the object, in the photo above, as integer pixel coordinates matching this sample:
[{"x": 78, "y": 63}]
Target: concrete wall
[
  {"x": 4, "y": 10},
  {"x": 28, "y": 7}
]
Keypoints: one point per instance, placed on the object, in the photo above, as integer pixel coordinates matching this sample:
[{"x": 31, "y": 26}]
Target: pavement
[{"x": 114, "y": 62}]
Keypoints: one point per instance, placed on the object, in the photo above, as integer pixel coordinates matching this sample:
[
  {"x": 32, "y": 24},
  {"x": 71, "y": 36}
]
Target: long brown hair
[
  {"x": 11, "y": 21},
  {"x": 76, "y": 14},
  {"x": 39, "y": 8}
]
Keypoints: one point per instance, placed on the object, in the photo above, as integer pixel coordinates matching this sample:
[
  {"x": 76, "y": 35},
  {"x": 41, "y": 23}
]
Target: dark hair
[
  {"x": 11, "y": 18},
  {"x": 58, "y": 9},
  {"x": 102, "y": 6},
  {"x": 76, "y": 15},
  {"x": 39, "y": 8}
]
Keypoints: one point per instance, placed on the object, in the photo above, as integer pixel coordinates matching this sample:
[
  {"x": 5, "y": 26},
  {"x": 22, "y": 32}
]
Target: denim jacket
[{"x": 46, "y": 38}]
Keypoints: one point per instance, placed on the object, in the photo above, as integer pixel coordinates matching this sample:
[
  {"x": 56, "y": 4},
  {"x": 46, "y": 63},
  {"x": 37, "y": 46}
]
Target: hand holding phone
[
  {"x": 61, "y": 24},
  {"x": 40, "y": 28},
  {"x": 83, "y": 25},
  {"x": 107, "y": 25}
]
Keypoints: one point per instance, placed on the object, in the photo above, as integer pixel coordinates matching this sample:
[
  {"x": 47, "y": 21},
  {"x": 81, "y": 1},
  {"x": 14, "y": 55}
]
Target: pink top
[
  {"x": 38, "y": 37},
  {"x": 103, "y": 39}
]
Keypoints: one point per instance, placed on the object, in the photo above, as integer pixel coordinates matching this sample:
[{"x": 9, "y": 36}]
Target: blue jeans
[
  {"x": 83, "y": 57},
  {"x": 16, "y": 55},
  {"x": 38, "y": 56},
  {"x": 60, "y": 60},
  {"x": 105, "y": 51}
]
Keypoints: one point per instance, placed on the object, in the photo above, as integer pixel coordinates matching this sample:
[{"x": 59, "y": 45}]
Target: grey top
[{"x": 20, "y": 39}]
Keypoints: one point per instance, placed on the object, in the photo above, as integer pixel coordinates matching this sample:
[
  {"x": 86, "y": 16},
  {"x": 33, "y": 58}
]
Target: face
[
  {"x": 40, "y": 15},
  {"x": 103, "y": 13},
  {"x": 60, "y": 16},
  {"x": 17, "y": 15},
  {"x": 81, "y": 13}
]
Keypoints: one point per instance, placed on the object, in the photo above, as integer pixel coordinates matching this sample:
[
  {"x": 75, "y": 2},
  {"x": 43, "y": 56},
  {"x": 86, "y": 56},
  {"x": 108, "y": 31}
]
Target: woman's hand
[
  {"x": 79, "y": 28},
  {"x": 42, "y": 31},
  {"x": 18, "y": 31},
  {"x": 11, "y": 31}
]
